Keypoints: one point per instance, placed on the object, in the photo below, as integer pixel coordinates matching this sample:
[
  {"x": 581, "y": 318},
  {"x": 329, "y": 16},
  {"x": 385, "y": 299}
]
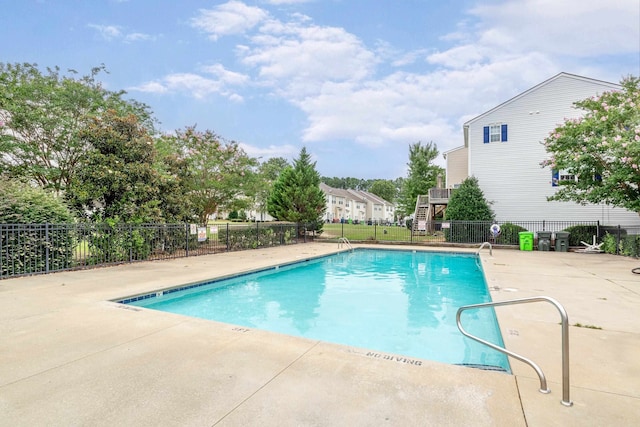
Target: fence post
[
  {"x": 130, "y": 243},
  {"x": 46, "y": 247},
  {"x": 618, "y": 242},
  {"x": 342, "y": 228},
  {"x": 187, "y": 226},
  {"x": 375, "y": 230},
  {"x": 257, "y": 234},
  {"x": 228, "y": 242}
]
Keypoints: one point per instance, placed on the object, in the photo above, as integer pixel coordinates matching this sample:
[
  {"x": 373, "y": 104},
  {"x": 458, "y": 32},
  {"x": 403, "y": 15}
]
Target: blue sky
[{"x": 355, "y": 81}]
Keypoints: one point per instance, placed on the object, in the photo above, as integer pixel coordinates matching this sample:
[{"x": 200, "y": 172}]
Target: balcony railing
[{"x": 439, "y": 195}]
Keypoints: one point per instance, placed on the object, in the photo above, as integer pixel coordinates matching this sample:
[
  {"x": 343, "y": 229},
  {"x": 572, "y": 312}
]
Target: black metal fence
[
  {"x": 43, "y": 248},
  {"x": 471, "y": 232}
]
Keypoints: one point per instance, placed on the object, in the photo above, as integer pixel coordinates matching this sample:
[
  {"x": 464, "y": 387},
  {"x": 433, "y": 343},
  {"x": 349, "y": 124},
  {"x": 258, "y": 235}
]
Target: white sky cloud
[
  {"x": 197, "y": 86},
  {"x": 229, "y": 18},
  {"x": 108, "y": 32},
  {"x": 115, "y": 32},
  {"x": 339, "y": 83},
  {"x": 569, "y": 27}
]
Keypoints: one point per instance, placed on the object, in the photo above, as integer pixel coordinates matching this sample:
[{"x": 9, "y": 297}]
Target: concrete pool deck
[{"x": 70, "y": 356}]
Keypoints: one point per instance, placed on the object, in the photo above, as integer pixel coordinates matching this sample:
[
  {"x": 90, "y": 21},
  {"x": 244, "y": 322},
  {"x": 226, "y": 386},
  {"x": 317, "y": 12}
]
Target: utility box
[
  {"x": 562, "y": 241},
  {"x": 544, "y": 241},
  {"x": 526, "y": 240}
]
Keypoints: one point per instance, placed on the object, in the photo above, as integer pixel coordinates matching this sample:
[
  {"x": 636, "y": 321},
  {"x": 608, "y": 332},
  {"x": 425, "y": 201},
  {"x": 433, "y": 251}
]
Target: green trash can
[
  {"x": 544, "y": 240},
  {"x": 526, "y": 240},
  {"x": 562, "y": 241}
]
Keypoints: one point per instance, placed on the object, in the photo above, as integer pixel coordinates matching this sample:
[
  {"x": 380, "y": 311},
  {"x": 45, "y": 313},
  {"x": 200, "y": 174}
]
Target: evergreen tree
[
  {"x": 296, "y": 195},
  {"x": 467, "y": 203}
]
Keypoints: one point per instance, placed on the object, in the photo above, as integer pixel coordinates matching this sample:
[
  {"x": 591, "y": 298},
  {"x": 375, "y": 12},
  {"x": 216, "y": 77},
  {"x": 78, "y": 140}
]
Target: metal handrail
[
  {"x": 344, "y": 240},
  {"x": 483, "y": 245},
  {"x": 565, "y": 342}
]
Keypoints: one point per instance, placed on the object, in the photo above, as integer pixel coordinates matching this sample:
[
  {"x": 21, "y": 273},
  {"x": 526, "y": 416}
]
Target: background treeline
[{"x": 100, "y": 156}]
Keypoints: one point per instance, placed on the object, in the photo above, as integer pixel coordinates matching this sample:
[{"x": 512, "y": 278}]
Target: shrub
[
  {"x": 581, "y": 233},
  {"x": 34, "y": 245},
  {"x": 630, "y": 246},
  {"x": 509, "y": 234},
  {"x": 610, "y": 243},
  {"x": 249, "y": 237}
]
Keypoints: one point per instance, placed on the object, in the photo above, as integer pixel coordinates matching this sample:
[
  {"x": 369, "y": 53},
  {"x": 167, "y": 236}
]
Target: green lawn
[{"x": 360, "y": 232}]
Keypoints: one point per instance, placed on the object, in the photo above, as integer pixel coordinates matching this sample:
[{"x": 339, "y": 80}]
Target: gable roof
[{"x": 608, "y": 85}]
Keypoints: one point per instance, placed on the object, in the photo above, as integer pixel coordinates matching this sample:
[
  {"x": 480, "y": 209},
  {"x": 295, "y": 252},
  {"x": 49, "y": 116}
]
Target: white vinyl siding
[{"x": 510, "y": 174}]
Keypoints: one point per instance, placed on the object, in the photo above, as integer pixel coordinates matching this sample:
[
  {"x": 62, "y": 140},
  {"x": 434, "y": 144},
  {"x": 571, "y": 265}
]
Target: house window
[
  {"x": 559, "y": 176},
  {"x": 496, "y": 132}
]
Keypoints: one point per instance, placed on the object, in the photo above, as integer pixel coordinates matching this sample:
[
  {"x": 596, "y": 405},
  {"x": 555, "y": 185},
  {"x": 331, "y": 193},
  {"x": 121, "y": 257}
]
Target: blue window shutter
[
  {"x": 486, "y": 134},
  {"x": 504, "y": 133},
  {"x": 555, "y": 177}
]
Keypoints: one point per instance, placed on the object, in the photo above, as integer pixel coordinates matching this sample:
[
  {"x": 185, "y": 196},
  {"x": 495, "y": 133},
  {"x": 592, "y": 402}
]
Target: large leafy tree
[
  {"x": 601, "y": 150},
  {"x": 384, "y": 189},
  {"x": 296, "y": 195},
  {"x": 42, "y": 116},
  {"x": 173, "y": 175},
  {"x": 348, "y": 183},
  {"x": 422, "y": 175},
  {"x": 116, "y": 180},
  {"x": 217, "y": 172}
]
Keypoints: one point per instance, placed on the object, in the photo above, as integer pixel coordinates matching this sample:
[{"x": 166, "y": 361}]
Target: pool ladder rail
[
  {"x": 344, "y": 241},
  {"x": 566, "y": 401},
  {"x": 483, "y": 245}
]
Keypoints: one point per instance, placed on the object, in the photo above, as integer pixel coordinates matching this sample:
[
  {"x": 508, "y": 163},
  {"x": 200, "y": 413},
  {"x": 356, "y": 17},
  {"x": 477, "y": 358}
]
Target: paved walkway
[{"x": 69, "y": 356}]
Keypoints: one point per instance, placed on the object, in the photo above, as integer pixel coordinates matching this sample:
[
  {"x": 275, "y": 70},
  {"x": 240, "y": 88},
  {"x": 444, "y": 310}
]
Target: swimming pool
[{"x": 394, "y": 301}]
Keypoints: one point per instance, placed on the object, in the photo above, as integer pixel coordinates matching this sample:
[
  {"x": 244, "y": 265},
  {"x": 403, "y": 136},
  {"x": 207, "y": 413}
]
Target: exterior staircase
[
  {"x": 428, "y": 207},
  {"x": 422, "y": 214}
]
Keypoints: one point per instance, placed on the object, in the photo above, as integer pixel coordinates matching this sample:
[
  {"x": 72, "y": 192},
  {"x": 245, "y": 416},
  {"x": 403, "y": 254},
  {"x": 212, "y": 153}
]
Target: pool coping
[{"x": 72, "y": 356}]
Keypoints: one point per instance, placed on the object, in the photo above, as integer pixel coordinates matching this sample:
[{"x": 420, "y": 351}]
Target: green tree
[
  {"x": 422, "y": 175},
  {"x": 268, "y": 173},
  {"x": 347, "y": 183},
  {"x": 601, "y": 150},
  {"x": 467, "y": 203},
  {"x": 384, "y": 189},
  {"x": 116, "y": 180},
  {"x": 173, "y": 174},
  {"x": 42, "y": 116},
  {"x": 218, "y": 172},
  {"x": 296, "y": 195}
]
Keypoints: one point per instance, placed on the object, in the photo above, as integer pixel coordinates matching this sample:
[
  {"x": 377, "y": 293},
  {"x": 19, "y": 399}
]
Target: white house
[
  {"x": 504, "y": 149},
  {"x": 356, "y": 205}
]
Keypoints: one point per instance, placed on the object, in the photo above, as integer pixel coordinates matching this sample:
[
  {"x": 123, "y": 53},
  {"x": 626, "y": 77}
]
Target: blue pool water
[{"x": 394, "y": 301}]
